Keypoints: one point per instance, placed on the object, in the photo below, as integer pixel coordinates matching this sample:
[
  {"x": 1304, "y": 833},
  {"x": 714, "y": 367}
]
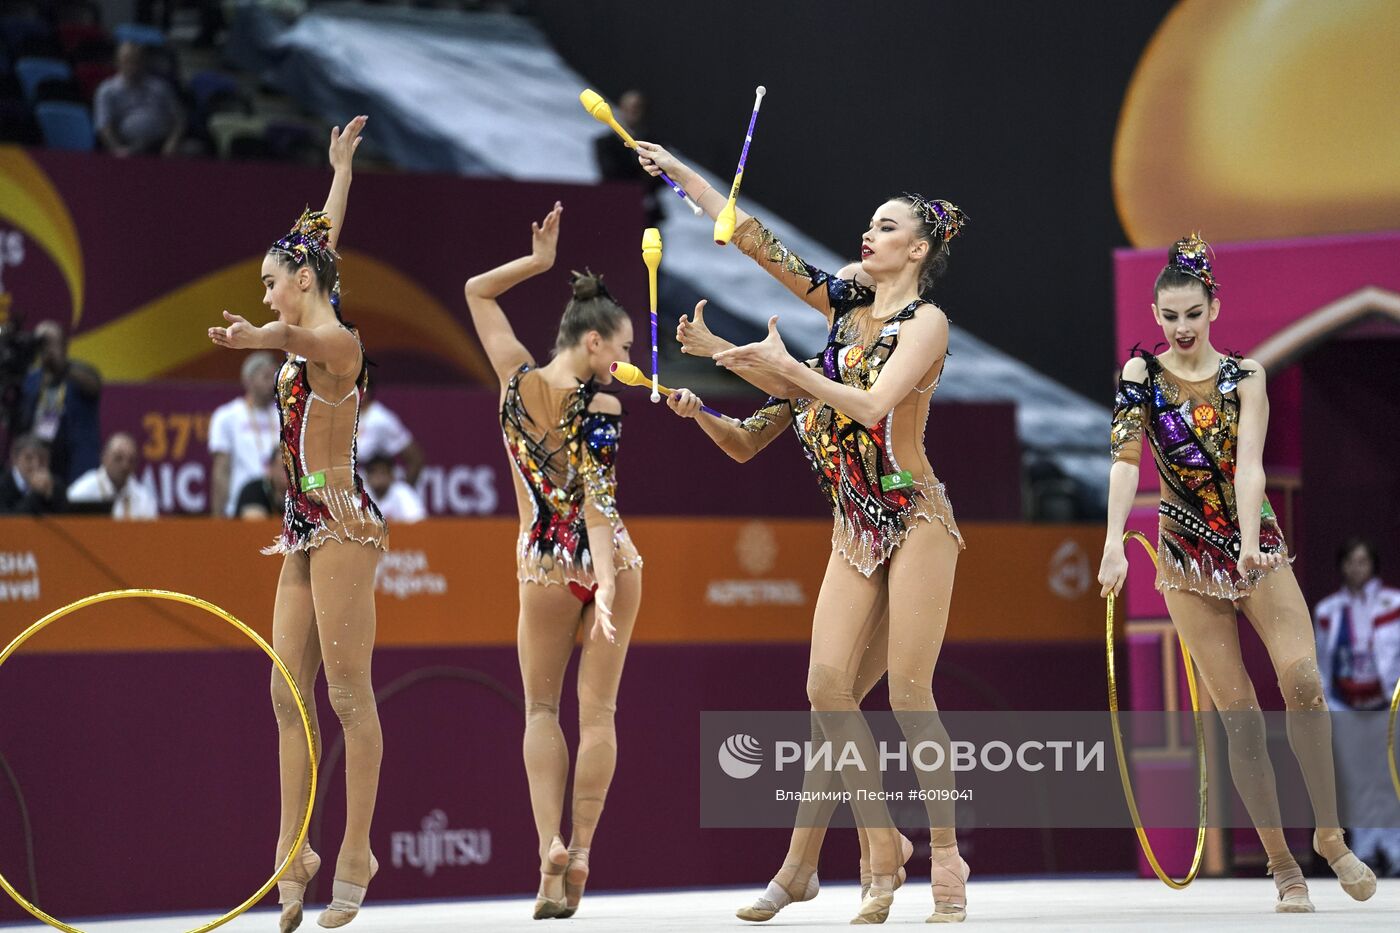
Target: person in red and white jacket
[{"x": 1358, "y": 653}]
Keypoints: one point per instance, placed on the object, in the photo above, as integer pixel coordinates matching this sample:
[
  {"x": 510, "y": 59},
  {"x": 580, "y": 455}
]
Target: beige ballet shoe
[
  {"x": 775, "y": 897},
  {"x": 546, "y": 907},
  {"x": 906, "y": 849},
  {"x": 575, "y": 878},
  {"x": 1292, "y": 889},
  {"x": 291, "y": 890},
  {"x": 1355, "y": 876},
  {"x": 949, "y": 876},
  {"x": 875, "y": 906},
  {"x": 346, "y": 899}
]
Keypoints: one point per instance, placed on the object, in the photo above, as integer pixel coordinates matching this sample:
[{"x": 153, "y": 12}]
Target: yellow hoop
[
  {"x": 286, "y": 674},
  {"x": 1168, "y": 880},
  {"x": 1390, "y": 739}
]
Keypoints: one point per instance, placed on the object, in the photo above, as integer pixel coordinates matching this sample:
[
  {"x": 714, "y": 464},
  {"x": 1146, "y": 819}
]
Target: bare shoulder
[
  {"x": 1254, "y": 387},
  {"x": 933, "y": 314},
  {"x": 1135, "y": 370},
  {"x": 605, "y": 403},
  {"x": 1253, "y": 367}
]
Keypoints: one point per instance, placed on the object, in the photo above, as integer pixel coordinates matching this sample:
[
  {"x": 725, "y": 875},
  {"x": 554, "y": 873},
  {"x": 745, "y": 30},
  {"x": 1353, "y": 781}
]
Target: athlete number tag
[{"x": 901, "y": 480}]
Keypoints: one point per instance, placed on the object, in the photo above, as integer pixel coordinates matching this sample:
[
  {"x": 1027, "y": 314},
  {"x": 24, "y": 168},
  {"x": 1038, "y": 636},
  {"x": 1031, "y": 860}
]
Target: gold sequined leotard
[
  {"x": 326, "y": 500},
  {"x": 1193, "y": 428},
  {"x": 565, "y": 460},
  {"x": 878, "y": 479}
]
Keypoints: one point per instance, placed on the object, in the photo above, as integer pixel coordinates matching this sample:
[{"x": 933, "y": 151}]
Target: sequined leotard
[
  {"x": 326, "y": 501},
  {"x": 1193, "y": 428},
  {"x": 878, "y": 479},
  {"x": 565, "y": 460}
]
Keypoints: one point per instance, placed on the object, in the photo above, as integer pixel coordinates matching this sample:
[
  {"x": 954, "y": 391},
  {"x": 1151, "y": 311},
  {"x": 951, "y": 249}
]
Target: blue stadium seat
[
  {"x": 32, "y": 71},
  {"x": 139, "y": 34},
  {"x": 65, "y": 126}
]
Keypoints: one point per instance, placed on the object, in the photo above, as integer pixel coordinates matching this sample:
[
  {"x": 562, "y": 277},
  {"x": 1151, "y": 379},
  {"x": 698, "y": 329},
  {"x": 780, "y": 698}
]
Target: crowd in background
[{"x": 59, "y": 463}]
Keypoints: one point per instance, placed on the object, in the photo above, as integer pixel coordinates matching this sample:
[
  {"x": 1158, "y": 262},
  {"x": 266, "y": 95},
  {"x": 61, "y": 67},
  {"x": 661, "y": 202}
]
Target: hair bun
[
  {"x": 1191, "y": 255},
  {"x": 586, "y": 285},
  {"x": 945, "y": 217}
]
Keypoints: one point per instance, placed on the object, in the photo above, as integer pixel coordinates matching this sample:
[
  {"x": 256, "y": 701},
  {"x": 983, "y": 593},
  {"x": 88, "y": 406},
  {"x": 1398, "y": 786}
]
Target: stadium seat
[
  {"x": 65, "y": 126},
  {"x": 140, "y": 34},
  {"x": 32, "y": 71}
]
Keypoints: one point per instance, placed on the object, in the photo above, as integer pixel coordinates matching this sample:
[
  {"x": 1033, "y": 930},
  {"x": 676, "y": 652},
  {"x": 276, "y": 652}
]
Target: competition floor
[{"x": 1053, "y": 906}]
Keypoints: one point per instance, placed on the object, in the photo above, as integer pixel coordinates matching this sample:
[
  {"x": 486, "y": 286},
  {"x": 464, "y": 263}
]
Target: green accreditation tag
[
  {"x": 901, "y": 480},
  {"x": 313, "y": 481},
  {"x": 1266, "y": 510}
]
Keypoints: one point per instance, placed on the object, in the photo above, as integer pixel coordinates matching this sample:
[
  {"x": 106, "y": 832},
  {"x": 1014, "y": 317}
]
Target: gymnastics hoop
[
  {"x": 1167, "y": 879},
  {"x": 1390, "y": 739},
  {"x": 258, "y": 640}
]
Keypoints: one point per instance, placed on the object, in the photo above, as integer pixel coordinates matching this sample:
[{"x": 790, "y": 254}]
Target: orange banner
[{"x": 452, "y": 581}]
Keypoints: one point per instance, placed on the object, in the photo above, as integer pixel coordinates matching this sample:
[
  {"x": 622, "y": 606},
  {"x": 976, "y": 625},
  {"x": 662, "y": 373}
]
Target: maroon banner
[
  {"x": 668, "y": 465},
  {"x": 150, "y": 779}
]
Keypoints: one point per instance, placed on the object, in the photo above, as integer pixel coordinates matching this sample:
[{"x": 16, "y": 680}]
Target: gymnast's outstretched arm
[
  {"x": 503, "y": 348},
  {"x": 741, "y": 440},
  {"x": 342, "y": 154},
  {"x": 820, "y": 290}
]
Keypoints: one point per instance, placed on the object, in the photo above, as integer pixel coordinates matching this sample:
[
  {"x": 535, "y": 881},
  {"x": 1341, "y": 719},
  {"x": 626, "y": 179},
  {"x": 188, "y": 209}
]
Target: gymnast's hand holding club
[{"x": 657, "y": 161}]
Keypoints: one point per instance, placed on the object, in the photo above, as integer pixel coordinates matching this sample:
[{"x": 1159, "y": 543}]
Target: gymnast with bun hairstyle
[
  {"x": 576, "y": 565},
  {"x": 1220, "y": 552},
  {"x": 332, "y": 537},
  {"x": 859, "y": 410}
]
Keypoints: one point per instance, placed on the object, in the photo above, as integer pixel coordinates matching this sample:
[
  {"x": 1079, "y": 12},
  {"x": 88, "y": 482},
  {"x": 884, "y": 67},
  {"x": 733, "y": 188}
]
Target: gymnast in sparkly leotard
[
  {"x": 575, "y": 562},
  {"x": 860, "y": 409},
  {"x": 1220, "y": 552}
]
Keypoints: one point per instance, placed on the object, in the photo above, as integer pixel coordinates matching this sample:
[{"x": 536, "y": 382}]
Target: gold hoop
[
  {"x": 282, "y": 668},
  {"x": 1390, "y": 739},
  {"x": 1167, "y": 879}
]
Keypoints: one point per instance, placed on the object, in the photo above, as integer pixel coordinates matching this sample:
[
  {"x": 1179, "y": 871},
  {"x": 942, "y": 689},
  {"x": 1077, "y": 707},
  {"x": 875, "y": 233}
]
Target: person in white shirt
[
  {"x": 397, "y": 501},
  {"x": 1358, "y": 652},
  {"x": 112, "y": 482},
  {"x": 241, "y": 432},
  {"x": 382, "y": 434}
]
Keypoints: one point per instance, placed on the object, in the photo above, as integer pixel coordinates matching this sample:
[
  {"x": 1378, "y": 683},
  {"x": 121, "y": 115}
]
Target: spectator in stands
[
  {"x": 618, "y": 163},
  {"x": 397, "y": 501},
  {"x": 112, "y": 483},
  {"x": 241, "y": 432},
  {"x": 382, "y": 434},
  {"x": 136, "y": 113},
  {"x": 59, "y": 404},
  {"x": 28, "y": 487},
  {"x": 1358, "y": 653},
  {"x": 265, "y": 496}
]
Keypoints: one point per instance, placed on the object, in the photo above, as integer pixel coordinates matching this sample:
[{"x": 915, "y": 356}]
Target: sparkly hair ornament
[
  {"x": 946, "y": 218},
  {"x": 1191, "y": 255},
  {"x": 309, "y": 240}
]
